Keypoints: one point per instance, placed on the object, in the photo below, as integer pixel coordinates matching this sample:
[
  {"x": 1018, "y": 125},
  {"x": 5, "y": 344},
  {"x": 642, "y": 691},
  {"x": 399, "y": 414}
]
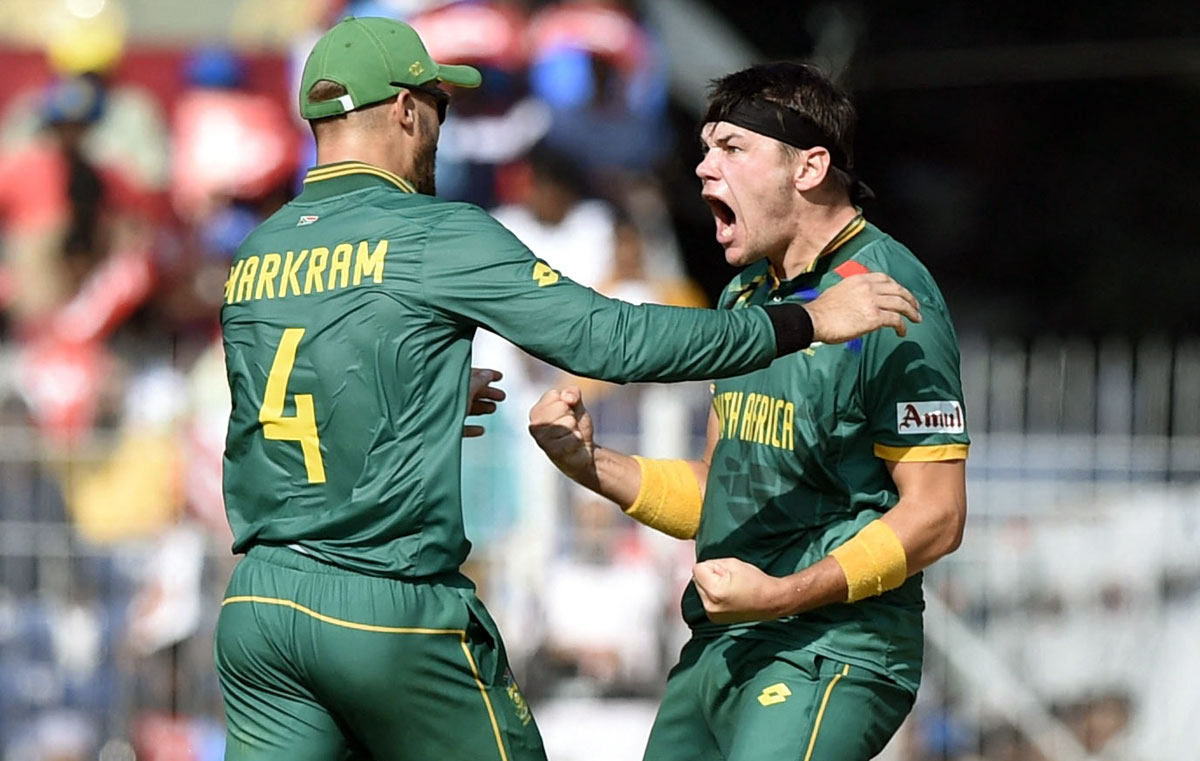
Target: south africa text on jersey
[
  {"x": 756, "y": 417},
  {"x": 275, "y": 275}
]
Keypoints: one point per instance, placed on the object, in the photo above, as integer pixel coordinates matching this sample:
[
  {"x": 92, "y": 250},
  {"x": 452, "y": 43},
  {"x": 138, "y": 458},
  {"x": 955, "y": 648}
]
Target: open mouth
[{"x": 725, "y": 218}]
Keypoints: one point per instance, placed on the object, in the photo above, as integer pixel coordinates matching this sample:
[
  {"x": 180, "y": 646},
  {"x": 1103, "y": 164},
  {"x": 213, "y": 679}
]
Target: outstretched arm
[
  {"x": 927, "y": 522},
  {"x": 497, "y": 283}
]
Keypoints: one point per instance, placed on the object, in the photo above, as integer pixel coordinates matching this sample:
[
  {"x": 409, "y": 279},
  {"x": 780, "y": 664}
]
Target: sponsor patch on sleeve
[{"x": 919, "y": 418}]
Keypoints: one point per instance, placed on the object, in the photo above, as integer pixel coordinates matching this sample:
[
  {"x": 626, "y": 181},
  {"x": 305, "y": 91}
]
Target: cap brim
[{"x": 463, "y": 76}]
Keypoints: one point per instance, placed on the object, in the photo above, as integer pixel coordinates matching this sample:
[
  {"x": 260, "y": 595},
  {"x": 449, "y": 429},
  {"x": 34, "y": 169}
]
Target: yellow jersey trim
[
  {"x": 930, "y": 453},
  {"x": 461, "y": 633},
  {"x": 357, "y": 167},
  {"x": 852, "y": 228},
  {"x": 749, "y": 290},
  {"x": 812, "y": 741}
]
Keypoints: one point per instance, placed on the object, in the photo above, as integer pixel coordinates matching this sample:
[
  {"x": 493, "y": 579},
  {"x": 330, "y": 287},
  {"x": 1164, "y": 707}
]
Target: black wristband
[{"x": 793, "y": 328}]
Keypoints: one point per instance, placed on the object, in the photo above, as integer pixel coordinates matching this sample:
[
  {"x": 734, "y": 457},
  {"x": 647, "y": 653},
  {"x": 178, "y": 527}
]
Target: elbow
[{"x": 953, "y": 528}]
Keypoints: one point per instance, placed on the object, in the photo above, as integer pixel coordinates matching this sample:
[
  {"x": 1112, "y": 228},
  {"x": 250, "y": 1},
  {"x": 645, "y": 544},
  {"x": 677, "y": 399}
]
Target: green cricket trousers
[
  {"x": 318, "y": 663},
  {"x": 740, "y": 699}
]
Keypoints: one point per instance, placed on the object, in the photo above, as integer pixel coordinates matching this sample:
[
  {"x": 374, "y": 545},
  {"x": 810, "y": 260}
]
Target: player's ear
[
  {"x": 811, "y": 168},
  {"x": 405, "y": 109}
]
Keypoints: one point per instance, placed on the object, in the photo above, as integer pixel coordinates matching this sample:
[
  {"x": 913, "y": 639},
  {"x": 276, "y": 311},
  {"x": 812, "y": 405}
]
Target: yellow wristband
[
  {"x": 669, "y": 499},
  {"x": 873, "y": 561}
]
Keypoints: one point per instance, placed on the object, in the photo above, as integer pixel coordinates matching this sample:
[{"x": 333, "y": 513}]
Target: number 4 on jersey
[{"x": 300, "y": 427}]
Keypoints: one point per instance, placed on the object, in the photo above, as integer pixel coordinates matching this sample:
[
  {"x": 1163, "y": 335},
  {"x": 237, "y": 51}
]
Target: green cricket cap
[{"x": 368, "y": 56}]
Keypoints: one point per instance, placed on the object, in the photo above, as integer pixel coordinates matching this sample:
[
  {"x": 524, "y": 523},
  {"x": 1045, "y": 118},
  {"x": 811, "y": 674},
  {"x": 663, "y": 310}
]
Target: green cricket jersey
[
  {"x": 347, "y": 325},
  {"x": 799, "y": 466}
]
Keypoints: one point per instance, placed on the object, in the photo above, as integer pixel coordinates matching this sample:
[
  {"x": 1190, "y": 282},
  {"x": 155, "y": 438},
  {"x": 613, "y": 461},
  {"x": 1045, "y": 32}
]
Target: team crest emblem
[
  {"x": 416, "y": 69},
  {"x": 524, "y": 715},
  {"x": 307, "y": 219}
]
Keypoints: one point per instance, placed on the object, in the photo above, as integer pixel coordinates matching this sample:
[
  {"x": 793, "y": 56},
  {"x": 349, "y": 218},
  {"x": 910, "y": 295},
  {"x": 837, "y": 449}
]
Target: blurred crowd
[
  {"x": 127, "y": 181},
  {"x": 128, "y": 177}
]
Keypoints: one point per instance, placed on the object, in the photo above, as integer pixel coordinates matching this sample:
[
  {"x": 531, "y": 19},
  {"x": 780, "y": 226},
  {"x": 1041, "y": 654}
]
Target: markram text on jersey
[{"x": 299, "y": 273}]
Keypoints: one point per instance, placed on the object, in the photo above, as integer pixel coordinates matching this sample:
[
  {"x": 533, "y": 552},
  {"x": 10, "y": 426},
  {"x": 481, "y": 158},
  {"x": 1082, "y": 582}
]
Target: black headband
[{"x": 786, "y": 126}]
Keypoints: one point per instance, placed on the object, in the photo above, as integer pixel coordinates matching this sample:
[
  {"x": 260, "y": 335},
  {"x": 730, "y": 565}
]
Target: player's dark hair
[
  {"x": 325, "y": 89},
  {"x": 803, "y": 89}
]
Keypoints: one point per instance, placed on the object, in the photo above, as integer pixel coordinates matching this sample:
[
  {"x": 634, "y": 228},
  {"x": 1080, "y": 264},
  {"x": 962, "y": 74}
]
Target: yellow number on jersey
[{"x": 300, "y": 427}]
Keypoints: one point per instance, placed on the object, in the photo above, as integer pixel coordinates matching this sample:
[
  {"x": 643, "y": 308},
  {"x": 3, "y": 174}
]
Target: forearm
[
  {"x": 617, "y": 477},
  {"x": 870, "y": 563},
  {"x": 924, "y": 540},
  {"x": 820, "y": 584}
]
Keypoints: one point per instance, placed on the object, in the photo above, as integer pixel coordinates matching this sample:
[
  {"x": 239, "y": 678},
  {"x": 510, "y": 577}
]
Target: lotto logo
[
  {"x": 776, "y": 693},
  {"x": 544, "y": 275},
  {"x": 915, "y": 418}
]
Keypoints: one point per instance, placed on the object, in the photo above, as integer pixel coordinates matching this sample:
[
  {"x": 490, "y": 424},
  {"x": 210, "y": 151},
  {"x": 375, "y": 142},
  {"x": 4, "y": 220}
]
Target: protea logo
[{"x": 914, "y": 418}]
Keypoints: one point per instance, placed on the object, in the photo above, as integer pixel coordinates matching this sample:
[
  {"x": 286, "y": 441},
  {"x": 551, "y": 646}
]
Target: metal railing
[{"x": 1081, "y": 544}]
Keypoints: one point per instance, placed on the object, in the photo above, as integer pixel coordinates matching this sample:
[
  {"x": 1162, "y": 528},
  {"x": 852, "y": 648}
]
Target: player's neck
[
  {"x": 815, "y": 227},
  {"x": 359, "y": 147}
]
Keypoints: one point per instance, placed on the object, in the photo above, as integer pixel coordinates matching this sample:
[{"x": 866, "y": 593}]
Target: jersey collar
[
  {"x": 852, "y": 228},
  {"x": 344, "y": 176}
]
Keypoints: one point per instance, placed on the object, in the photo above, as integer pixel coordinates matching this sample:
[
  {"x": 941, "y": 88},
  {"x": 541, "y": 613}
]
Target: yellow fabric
[
  {"x": 135, "y": 493},
  {"x": 873, "y": 561},
  {"x": 669, "y": 499},
  {"x": 928, "y": 453}
]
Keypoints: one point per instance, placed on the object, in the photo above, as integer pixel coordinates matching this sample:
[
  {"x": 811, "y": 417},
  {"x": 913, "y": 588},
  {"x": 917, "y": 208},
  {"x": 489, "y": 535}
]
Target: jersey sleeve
[
  {"x": 912, "y": 391},
  {"x": 476, "y": 270}
]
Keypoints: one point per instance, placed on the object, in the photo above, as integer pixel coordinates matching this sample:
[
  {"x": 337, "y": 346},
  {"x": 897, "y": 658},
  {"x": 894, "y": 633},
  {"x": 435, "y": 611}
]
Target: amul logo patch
[{"x": 914, "y": 418}]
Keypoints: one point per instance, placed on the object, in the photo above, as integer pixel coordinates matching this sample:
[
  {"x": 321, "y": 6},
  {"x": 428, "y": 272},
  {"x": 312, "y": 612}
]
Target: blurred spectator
[
  {"x": 206, "y": 420},
  {"x": 494, "y": 125},
  {"x": 60, "y": 212},
  {"x": 163, "y": 737},
  {"x": 235, "y": 153},
  {"x": 559, "y": 222},
  {"x": 604, "y": 607},
  {"x": 629, "y": 278},
  {"x": 58, "y": 735},
  {"x": 604, "y": 78},
  {"x": 229, "y": 144},
  {"x": 134, "y": 492},
  {"x": 491, "y": 126},
  {"x": 77, "y": 241},
  {"x": 129, "y": 134},
  {"x": 1097, "y": 719}
]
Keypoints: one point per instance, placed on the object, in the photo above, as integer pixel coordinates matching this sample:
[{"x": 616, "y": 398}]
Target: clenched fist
[
  {"x": 562, "y": 427},
  {"x": 733, "y": 591}
]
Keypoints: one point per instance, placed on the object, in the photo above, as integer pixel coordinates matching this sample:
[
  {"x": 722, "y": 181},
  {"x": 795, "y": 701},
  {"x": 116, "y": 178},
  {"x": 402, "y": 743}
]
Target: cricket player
[
  {"x": 830, "y": 478},
  {"x": 347, "y": 629}
]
